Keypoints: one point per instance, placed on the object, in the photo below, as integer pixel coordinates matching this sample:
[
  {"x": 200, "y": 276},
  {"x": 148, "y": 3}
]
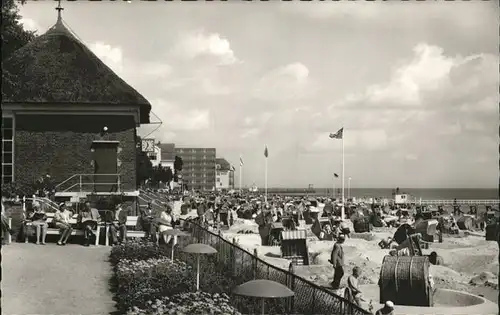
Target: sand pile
[{"x": 485, "y": 278}]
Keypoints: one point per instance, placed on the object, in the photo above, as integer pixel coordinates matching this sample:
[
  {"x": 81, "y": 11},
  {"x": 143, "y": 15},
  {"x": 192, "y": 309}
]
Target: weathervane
[{"x": 59, "y": 9}]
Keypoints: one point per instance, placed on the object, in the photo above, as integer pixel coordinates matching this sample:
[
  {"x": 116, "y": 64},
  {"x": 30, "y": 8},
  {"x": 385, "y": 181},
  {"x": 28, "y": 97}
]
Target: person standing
[{"x": 337, "y": 261}]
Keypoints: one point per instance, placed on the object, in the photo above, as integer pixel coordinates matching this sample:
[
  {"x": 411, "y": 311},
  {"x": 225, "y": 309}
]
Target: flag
[
  {"x": 241, "y": 161},
  {"x": 233, "y": 168},
  {"x": 338, "y": 135},
  {"x": 266, "y": 154},
  {"x": 336, "y": 175}
]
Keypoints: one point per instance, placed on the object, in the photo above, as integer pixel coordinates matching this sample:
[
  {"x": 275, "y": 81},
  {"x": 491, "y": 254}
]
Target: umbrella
[
  {"x": 175, "y": 233},
  {"x": 263, "y": 289},
  {"x": 199, "y": 249}
]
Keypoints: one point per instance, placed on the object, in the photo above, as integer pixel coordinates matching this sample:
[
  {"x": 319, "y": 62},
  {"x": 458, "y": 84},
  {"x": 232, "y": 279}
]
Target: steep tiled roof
[
  {"x": 57, "y": 68},
  {"x": 224, "y": 165}
]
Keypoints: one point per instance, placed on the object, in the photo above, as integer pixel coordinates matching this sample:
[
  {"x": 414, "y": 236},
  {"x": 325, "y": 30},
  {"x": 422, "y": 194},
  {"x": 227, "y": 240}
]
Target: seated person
[
  {"x": 118, "y": 221},
  {"x": 354, "y": 293},
  {"x": 435, "y": 259},
  {"x": 385, "y": 243},
  {"x": 166, "y": 222},
  {"x": 326, "y": 232},
  {"x": 88, "y": 220},
  {"x": 5, "y": 221},
  {"x": 388, "y": 309},
  {"x": 61, "y": 222},
  {"x": 148, "y": 222},
  {"x": 344, "y": 229},
  {"x": 39, "y": 221}
]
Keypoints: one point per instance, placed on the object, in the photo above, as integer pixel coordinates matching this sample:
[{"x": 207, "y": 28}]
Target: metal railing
[
  {"x": 45, "y": 201},
  {"x": 238, "y": 266},
  {"x": 459, "y": 202},
  {"x": 81, "y": 183}
]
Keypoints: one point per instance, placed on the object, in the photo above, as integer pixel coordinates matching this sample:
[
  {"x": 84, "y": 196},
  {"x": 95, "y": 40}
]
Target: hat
[
  {"x": 389, "y": 304},
  {"x": 62, "y": 204}
]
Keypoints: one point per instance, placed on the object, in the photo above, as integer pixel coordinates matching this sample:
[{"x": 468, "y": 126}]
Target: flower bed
[
  {"x": 143, "y": 273},
  {"x": 188, "y": 303}
]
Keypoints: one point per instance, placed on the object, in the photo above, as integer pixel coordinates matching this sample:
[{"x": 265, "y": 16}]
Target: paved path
[{"x": 52, "y": 279}]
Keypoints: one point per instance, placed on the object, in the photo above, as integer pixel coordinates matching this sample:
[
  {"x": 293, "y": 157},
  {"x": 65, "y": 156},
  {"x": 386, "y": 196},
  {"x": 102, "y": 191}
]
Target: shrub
[
  {"x": 135, "y": 250},
  {"x": 188, "y": 303},
  {"x": 140, "y": 281}
]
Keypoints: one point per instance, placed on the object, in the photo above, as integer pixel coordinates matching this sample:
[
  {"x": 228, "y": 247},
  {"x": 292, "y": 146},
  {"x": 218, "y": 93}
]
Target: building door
[{"x": 105, "y": 166}]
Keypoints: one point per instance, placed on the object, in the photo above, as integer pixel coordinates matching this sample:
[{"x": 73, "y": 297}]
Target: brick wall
[{"x": 60, "y": 146}]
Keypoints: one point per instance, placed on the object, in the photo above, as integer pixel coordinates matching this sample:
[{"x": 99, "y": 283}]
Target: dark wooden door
[{"x": 105, "y": 164}]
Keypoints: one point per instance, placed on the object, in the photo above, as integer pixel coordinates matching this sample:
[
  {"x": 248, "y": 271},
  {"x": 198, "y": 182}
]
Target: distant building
[
  {"x": 167, "y": 155},
  {"x": 155, "y": 156},
  {"x": 224, "y": 174},
  {"x": 198, "y": 171}
]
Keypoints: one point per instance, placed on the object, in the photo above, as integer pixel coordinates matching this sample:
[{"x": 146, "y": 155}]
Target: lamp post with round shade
[
  {"x": 175, "y": 233},
  {"x": 199, "y": 249},
  {"x": 264, "y": 289}
]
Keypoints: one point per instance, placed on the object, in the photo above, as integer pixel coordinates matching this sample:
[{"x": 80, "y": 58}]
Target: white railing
[
  {"x": 44, "y": 201},
  {"x": 82, "y": 183},
  {"x": 460, "y": 202}
]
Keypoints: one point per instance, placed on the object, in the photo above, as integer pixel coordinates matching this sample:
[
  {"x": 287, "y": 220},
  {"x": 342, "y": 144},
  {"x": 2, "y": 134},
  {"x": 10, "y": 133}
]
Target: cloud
[
  {"x": 250, "y": 132},
  {"x": 111, "y": 56},
  {"x": 200, "y": 44},
  {"x": 428, "y": 70},
  {"x": 177, "y": 118},
  {"x": 325, "y": 10},
  {"x": 29, "y": 24},
  {"x": 157, "y": 70},
  {"x": 430, "y": 102},
  {"x": 287, "y": 82},
  {"x": 453, "y": 129}
]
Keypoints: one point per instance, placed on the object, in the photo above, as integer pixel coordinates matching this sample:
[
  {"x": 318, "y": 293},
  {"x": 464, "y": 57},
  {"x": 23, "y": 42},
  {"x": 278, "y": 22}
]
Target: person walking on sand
[
  {"x": 337, "y": 261},
  {"x": 388, "y": 309}
]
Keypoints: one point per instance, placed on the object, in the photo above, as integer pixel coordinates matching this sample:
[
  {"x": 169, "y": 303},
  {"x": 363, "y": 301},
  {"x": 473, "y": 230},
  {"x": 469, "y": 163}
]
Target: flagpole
[
  {"x": 333, "y": 193},
  {"x": 265, "y": 184},
  {"x": 342, "y": 214},
  {"x": 240, "y": 176},
  {"x": 241, "y": 172}
]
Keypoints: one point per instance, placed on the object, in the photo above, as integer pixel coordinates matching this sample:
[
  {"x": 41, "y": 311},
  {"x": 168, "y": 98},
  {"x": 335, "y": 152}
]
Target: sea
[{"x": 424, "y": 193}]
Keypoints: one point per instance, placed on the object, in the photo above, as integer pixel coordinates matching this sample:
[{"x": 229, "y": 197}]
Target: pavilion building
[{"x": 66, "y": 114}]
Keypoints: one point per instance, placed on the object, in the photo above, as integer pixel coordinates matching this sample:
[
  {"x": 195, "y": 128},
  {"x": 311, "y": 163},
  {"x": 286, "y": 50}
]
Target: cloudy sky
[{"x": 415, "y": 85}]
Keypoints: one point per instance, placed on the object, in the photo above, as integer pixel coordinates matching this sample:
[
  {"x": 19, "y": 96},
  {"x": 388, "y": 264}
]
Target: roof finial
[{"x": 59, "y": 9}]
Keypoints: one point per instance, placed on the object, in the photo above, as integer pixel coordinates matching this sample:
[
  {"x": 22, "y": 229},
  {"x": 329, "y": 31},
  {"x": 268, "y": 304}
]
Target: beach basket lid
[
  {"x": 263, "y": 288},
  {"x": 294, "y": 235}
]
